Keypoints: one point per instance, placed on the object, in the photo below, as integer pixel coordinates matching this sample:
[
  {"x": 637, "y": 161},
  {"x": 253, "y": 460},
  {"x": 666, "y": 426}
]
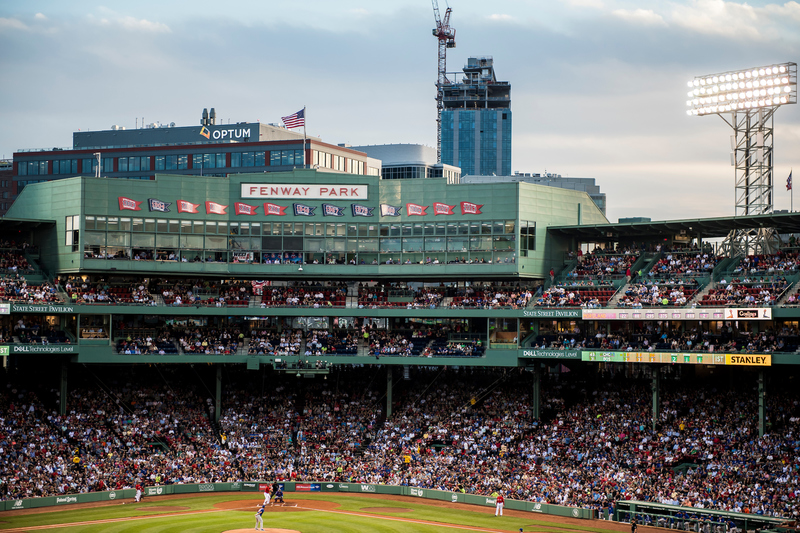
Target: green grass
[{"x": 339, "y": 521}]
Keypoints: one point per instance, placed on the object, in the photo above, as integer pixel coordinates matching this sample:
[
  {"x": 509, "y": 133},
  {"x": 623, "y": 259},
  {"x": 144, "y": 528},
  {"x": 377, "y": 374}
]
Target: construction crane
[{"x": 447, "y": 39}]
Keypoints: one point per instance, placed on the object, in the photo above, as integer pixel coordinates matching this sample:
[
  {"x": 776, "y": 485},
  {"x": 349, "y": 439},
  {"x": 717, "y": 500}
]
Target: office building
[{"x": 476, "y": 121}]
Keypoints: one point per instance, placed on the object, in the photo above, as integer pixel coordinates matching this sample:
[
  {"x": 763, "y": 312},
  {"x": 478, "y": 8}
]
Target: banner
[
  {"x": 442, "y": 209},
  {"x": 304, "y": 191},
  {"x": 213, "y": 208},
  {"x": 303, "y": 210},
  {"x": 390, "y": 210},
  {"x": 416, "y": 210},
  {"x": 127, "y": 203},
  {"x": 468, "y": 208},
  {"x": 274, "y": 209},
  {"x": 242, "y": 257},
  {"x": 187, "y": 207},
  {"x": 244, "y": 209},
  {"x": 330, "y": 210},
  {"x": 158, "y": 205},
  {"x": 361, "y": 210}
]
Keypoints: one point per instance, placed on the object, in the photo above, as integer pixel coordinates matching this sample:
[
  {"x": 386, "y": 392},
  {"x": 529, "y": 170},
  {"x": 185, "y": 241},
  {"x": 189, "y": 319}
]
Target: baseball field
[{"x": 302, "y": 513}]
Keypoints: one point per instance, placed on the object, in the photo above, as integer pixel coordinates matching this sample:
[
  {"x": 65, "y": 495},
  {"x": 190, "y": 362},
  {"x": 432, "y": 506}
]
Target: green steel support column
[
  {"x": 762, "y": 423},
  {"x": 656, "y": 385},
  {"x": 62, "y": 404},
  {"x": 388, "y": 391},
  {"x": 537, "y": 391},
  {"x": 218, "y": 399}
]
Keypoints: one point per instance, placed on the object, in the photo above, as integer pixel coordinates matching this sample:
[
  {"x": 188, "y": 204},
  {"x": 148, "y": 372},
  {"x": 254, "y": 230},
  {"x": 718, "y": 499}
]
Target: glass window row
[{"x": 330, "y": 229}]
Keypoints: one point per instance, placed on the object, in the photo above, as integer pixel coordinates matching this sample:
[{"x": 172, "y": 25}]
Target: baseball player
[
  {"x": 278, "y": 496},
  {"x": 138, "y": 493},
  {"x": 267, "y": 496},
  {"x": 259, "y": 520},
  {"x": 499, "y": 501}
]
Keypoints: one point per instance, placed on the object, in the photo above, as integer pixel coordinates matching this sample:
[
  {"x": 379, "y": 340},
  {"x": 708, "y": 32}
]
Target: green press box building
[{"x": 268, "y": 226}]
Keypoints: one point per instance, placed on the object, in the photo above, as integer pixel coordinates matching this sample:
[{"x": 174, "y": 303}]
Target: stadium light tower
[{"x": 747, "y": 100}]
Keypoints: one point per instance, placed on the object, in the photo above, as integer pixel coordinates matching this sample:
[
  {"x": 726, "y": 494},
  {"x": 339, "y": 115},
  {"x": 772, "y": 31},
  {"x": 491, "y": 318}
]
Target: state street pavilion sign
[{"x": 306, "y": 192}]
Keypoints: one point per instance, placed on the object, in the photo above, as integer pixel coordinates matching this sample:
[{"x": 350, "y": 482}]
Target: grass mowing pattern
[{"x": 202, "y": 517}]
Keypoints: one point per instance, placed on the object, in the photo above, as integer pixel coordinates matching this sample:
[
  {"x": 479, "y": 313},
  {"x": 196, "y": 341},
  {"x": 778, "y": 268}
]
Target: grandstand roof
[
  {"x": 702, "y": 227},
  {"x": 14, "y": 223}
]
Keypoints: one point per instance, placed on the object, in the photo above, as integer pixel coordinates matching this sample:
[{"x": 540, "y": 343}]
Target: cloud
[
  {"x": 646, "y": 17},
  {"x": 501, "y": 17},
  {"x": 130, "y": 23},
  {"x": 40, "y": 16},
  {"x": 12, "y": 24},
  {"x": 145, "y": 25},
  {"x": 717, "y": 17}
]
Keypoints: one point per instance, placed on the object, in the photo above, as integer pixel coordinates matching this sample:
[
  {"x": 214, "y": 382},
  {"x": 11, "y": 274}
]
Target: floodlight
[
  {"x": 726, "y": 86},
  {"x": 746, "y": 100}
]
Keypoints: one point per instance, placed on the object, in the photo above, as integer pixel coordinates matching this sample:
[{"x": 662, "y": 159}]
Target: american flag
[{"x": 295, "y": 120}]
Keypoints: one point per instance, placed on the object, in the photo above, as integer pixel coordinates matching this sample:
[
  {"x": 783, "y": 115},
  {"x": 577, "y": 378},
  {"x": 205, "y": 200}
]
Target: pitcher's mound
[{"x": 266, "y": 530}]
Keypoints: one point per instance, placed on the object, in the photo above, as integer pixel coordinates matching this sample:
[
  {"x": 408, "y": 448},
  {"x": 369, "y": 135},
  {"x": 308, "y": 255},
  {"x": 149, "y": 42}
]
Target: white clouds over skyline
[{"x": 598, "y": 86}]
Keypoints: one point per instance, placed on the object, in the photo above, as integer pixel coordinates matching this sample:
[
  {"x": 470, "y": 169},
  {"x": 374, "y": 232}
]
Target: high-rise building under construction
[{"x": 476, "y": 121}]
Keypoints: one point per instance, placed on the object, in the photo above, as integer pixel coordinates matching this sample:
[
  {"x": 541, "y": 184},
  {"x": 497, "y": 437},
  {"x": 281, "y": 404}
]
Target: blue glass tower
[{"x": 476, "y": 121}]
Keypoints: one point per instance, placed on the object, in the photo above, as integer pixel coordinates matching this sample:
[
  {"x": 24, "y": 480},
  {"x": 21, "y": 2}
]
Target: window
[
  {"x": 73, "y": 226},
  {"x": 108, "y": 164},
  {"x": 172, "y": 162},
  {"x": 236, "y": 159},
  {"x": 65, "y": 166},
  {"x": 183, "y": 162},
  {"x": 161, "y": 162},
  {"x": 527, "y": 234}
]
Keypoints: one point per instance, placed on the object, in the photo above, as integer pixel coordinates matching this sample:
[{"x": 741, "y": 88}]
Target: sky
[{"x": 598, "y": 87}]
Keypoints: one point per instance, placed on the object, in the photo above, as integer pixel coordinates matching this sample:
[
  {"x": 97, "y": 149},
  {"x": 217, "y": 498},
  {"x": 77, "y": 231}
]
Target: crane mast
[{"x": 447, "y": 39}]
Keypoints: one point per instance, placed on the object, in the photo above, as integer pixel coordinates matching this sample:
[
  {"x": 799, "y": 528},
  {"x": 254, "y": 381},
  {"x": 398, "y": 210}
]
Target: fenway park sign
[{"x": 307, "y": 191}]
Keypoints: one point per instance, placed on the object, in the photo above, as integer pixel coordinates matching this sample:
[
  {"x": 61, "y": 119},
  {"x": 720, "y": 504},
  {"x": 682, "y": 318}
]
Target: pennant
[
  {"x": 390, "y": 210},
  {"x": 213, "y": 208},
  {"x": 244, "y": 209},
  {"x": 303, "y": 210},
  {"x": 361, "y": 210},
  {"x": 330, "y": 210},
  {"x": 274, "y": 209},
  {"x": 468, "y": 208},
  {"x": 158, "y": 205},
  {"x": 442, "y": 209},
  {"x": 186, "y": 207},
  {"x": 416, "y": 210},
  {"x": 127, "y": 203}
]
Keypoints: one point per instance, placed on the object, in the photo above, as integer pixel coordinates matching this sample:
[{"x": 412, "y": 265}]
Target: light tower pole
[{"x": 747, "y": 100}]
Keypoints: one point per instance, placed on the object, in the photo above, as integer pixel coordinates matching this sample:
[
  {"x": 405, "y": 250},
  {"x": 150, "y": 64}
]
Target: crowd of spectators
[
  {"x": 465, "y": 430},
  {"x": 564, "y": 295},
  {"x": 284, "y": 343},
  {"x": 658, "y": 293},
  {"x": 99, "y": 291},
  {"x": 783, "y": 261},
  {"x": 689, "y": 263},
  {"x": 13, "y": 262},
  {"x": 17, "y": 289},
  {"x": 652, "y": 338},
  {"x": 305, "y": 294},
  {"x": 209, "y": 340},
  {"x": 472, "y": 296},
  {"x": 601, "y": 264},
  {"x": 746, "y": 292}
]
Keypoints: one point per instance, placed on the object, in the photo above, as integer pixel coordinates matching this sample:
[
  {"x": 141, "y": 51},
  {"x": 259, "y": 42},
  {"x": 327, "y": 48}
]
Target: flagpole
[{"x": 304, "y": 136}]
